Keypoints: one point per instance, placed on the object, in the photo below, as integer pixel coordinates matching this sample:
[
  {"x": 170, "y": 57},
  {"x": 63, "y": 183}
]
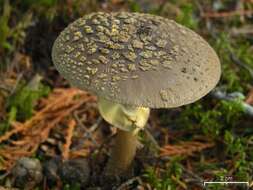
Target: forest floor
[{"x": 47, "y": 125}]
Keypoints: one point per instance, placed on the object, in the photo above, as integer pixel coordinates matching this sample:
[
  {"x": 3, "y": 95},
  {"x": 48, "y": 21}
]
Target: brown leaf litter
[{"x": 25, "y": 138}]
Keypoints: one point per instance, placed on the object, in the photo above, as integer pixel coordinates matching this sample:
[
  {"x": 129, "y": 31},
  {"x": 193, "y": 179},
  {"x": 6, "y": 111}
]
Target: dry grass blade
[{"x": 184, "y": 148}]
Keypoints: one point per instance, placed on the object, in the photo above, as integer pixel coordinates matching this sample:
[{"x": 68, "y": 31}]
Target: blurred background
[{"x": 52, "y": 140}]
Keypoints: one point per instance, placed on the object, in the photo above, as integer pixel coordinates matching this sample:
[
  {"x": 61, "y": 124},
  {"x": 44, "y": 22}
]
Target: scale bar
[{"x": 226, "y": 182}]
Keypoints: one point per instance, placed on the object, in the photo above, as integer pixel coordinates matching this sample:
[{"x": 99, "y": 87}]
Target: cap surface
[{"x": 136, "y": 59}]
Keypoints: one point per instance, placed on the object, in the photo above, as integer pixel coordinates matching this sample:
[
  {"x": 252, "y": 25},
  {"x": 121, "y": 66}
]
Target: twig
[
  {"x": 106, "y": 141},
  {"x": 95, "y": 125},
  {"x": 88, "y": 133},
  {"x": 237, "y": 61}
]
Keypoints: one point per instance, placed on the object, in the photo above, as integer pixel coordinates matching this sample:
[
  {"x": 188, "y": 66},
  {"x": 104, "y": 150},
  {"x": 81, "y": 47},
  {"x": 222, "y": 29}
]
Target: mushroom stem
[
  {"x": 123, "y": 153},
  {"x": 129, "y": 120}
]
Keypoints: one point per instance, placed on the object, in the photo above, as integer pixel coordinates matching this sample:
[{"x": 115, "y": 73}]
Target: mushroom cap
[{"x": 136, "y": 59}]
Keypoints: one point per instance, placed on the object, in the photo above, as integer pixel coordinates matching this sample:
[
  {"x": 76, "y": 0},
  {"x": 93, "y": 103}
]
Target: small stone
[
  {"x": 75, "y": 171},
  {"x": 27, "y": 173}
]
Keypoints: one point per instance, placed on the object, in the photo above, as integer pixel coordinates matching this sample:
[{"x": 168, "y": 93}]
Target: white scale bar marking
[{"x": 226, "y": 182}]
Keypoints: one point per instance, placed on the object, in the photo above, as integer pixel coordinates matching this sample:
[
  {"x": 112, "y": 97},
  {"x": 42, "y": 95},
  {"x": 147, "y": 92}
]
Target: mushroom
[{"x": 134, "y": 62}]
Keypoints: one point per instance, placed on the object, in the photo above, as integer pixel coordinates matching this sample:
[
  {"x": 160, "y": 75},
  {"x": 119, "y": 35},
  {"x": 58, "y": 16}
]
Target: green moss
[
  {"x": 4, "y": 27},
  {"x": 236, "y": 74},
  {"x": 236, "y": 150},
  {"x": 211, "y": 120},
  {"x": 162, "y": 180},
  {"x": 24, "y": 100},
  {"x": 187, "y": 16}
]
